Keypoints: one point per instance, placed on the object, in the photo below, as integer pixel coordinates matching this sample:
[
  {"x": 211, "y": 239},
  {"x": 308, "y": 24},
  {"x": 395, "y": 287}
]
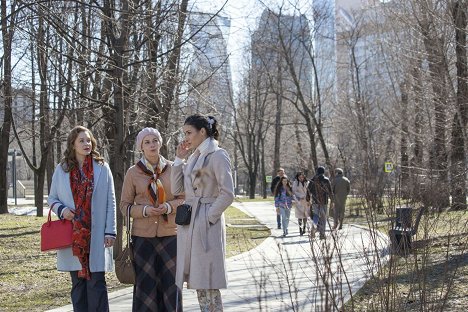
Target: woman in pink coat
[{"x": 205, "y": 178}]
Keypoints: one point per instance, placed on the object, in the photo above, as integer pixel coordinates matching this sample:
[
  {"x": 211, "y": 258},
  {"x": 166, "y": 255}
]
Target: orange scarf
[{"x": 156, "y": 191}]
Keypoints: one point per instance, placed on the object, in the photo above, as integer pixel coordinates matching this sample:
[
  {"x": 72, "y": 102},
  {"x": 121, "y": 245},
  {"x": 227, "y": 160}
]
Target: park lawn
[
  {"x": 436, "y": 266},
  {"x": 29, "y": 280}
]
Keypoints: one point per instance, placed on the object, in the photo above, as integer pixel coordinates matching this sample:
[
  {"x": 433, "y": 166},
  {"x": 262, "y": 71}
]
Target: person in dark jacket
[
  {"x": 320, "y": 192},
  {"x": 274, "y": 183},
  {"x": 341, "y": 188}
]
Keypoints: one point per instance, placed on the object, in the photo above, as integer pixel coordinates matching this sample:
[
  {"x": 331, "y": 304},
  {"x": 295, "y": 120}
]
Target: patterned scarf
[
  {"x": 156, "y": 191},
  {"x": 82, "y": 185}
]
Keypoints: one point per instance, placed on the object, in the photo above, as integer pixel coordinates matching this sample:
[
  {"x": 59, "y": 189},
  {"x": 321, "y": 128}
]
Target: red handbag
[{"x": 56, "y": 234}]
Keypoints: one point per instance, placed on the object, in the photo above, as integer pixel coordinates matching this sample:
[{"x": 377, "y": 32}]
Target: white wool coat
[
  {"x": 201, "y": 245},
  {"x": 302, "y": 205},
  {"x": 103, "y": 217}
]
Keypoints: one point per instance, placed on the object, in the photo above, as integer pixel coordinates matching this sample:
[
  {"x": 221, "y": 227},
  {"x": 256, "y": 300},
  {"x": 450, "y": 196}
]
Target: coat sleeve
[
  {"x": 222, "y": 172},
  {"x": 177, "y": 180},
  {"x": 111, "y": 204},
  {"x": 53, "y": 199},
  {"x": 176, "y": 200}
]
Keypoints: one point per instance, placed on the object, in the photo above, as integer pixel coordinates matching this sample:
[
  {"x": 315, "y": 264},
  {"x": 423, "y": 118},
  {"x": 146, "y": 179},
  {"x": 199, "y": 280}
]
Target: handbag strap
[
  {"x": 49, "y": 217},
  {"x": 128, "y": 225}
]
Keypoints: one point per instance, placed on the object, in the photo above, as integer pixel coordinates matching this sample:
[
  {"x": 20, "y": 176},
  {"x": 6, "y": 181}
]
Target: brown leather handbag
[{"x": 124, "y": 268}]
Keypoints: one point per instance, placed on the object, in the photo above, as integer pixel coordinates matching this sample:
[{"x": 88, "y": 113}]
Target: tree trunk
[
  {"x": 115, "y": 120},
  {"x": 404, "y": 159},
  {"x": 438, "y": 157},
  {"x": 171, "y": 78},
  {"x": 279, "y": 108},
  {"x": 7, "y": 35},
  {"x": 458, "y": 151}
]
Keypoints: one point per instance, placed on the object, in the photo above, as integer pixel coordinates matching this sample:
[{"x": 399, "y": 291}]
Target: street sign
[
  {"x": 268, "y": 179},
  {"x": 388, "y": 166}
]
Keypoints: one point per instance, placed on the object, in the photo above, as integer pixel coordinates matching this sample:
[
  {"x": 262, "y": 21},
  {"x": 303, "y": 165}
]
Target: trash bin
[
  {"x": 400, "y": 235},
  {"x": 404, "y": 218}
]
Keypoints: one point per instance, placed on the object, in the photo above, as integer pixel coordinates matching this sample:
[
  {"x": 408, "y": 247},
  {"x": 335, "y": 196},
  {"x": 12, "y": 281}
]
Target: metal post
[{"x": 14, "y": 176}]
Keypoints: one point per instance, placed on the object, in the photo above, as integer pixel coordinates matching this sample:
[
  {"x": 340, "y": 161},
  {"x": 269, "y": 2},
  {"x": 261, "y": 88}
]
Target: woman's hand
[
  {"x": 68, "y": 214},
  {"x": 182, "y": 150},
  {"x": 155, "y": 211},
  {"x": 109, "y": 241}
]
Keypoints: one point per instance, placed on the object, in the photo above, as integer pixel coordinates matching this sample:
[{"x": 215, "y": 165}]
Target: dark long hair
[
  {"x": 279, "y": 187},
  {"x": 297, "y": 178},
  {"x": 69, "y": 158},
  {"x": 201, "y": 121}
]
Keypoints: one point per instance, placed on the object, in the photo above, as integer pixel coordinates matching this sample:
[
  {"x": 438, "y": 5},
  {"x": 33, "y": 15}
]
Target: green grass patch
[
  {"x": 29, "y": 280},
  {"x": 243, "y": 232}
]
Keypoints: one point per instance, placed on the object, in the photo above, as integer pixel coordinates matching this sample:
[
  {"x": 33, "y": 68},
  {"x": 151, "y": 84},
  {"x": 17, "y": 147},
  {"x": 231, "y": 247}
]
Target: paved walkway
[{"x": 289, "y": 274}]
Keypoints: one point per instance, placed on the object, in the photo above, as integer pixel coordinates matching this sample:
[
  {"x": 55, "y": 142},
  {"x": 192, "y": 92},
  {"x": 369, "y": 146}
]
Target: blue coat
[{"x": 102, "y": 217}]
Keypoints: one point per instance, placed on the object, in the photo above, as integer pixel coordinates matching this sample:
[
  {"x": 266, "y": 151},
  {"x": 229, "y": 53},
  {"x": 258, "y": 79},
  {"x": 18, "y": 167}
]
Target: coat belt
[{"x": 195, "y": 201}]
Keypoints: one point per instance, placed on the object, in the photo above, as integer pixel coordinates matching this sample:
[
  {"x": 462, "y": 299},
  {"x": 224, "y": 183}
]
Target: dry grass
[{"x": 432, "y": 277}]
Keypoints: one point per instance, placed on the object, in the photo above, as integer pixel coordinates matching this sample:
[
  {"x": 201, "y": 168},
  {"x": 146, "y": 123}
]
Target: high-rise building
[
  {"x": 324, "y": 56},
  {"x": 360, "y": 53},
  {"x": 209, "y": 76},
  {"x": 281, "y": 46}
]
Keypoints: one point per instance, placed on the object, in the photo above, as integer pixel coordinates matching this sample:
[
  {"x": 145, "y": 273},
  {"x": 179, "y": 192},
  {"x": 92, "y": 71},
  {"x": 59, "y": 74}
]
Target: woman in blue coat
[
  {"x": 82, "y": 191},
  {"x": 284, "y": 198}
]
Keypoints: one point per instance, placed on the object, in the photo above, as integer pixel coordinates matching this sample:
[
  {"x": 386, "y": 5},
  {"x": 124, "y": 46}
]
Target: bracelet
[{"x": 144, "y": 211}]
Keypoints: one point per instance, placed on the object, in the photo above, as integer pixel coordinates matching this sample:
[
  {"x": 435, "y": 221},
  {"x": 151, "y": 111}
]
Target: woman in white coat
[
  {"x": 205, "y": 178},
  {"x": 299, "y": 188},
  {"x": 82, "y": 191}
]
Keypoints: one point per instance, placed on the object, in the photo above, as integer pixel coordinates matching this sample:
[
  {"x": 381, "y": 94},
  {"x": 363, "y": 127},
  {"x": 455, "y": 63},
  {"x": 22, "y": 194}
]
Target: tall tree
[
  {"x": 459, "y": 141},
  {"x": 8, "y": 22}
]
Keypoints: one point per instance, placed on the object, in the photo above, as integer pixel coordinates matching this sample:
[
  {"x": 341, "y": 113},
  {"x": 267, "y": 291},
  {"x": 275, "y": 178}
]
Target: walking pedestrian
[
  {"x": 205, "y": 178},
  {"x": 341, "y": 188},
  {"x": 284, "y": 198},
  {"x": 279, "y": 174},
  {"x": 320, "y": 191},
  {"x": 299, "y": 188},
  {"x": 146, "y": 193},
  {"x": 82, "y": 191}
]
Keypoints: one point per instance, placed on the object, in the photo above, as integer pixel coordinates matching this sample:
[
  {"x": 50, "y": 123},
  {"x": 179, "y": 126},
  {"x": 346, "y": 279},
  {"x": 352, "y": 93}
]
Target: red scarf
[
  {"x": 82, "y": 185},
  {"x": 159, "y": 196}
]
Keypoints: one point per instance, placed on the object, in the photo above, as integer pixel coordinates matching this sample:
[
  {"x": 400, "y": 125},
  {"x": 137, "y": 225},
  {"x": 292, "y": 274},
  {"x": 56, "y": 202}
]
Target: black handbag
[{"x": 183, "y": 214}]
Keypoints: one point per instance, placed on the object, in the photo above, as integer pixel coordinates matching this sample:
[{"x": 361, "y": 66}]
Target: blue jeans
[
  {"x": 89, "y": 295},
  {"x": 285, "y": 213},
  {"x": 320, "y": 211}
]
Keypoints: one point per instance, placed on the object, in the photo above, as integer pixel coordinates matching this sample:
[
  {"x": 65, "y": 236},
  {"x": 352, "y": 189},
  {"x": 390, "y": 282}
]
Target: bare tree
[
  {"x": 8, "y": 17},
  {"x": 459, "y": 141}
]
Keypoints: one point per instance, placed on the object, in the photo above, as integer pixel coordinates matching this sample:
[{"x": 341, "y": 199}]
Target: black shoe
[
  {"x": 279, "y": 227},
  {"x": 322, "y": 236}
]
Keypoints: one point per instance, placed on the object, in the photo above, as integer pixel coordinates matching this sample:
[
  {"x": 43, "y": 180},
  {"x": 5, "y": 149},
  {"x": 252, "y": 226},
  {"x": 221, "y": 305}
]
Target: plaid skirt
[{"x": 155, "y": 267}]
